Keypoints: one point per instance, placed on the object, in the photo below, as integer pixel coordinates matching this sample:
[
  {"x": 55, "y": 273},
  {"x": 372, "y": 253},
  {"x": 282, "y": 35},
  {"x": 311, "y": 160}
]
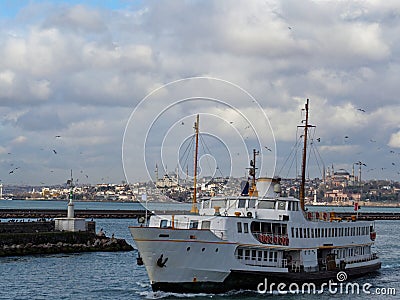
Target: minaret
[{"x": 156, "y": 173}]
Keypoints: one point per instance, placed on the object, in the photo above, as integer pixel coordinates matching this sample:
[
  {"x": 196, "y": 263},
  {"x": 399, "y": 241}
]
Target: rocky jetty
[
  {"x": 52, "y": 247},
  {"x": 27, "y": 238}
]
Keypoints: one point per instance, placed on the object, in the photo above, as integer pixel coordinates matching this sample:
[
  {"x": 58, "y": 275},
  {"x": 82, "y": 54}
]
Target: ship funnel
[{"x": 269, "y": 187}]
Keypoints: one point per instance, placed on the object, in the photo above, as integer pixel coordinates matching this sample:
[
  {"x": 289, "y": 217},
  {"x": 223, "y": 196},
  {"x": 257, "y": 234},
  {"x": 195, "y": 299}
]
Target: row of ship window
[
  {"x": 343, "y": 253},
  {"x": 329, "y": 232},
  {"x": 260, "y": 255}
]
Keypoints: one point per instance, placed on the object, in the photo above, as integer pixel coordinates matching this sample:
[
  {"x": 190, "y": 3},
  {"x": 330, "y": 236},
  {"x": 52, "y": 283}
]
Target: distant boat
[{"x": 240, "y": 242}]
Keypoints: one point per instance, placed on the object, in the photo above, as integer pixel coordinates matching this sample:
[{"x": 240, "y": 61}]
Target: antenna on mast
[
  {"x": 252, "y": 172},
  {"x": 194, "y": 203}
]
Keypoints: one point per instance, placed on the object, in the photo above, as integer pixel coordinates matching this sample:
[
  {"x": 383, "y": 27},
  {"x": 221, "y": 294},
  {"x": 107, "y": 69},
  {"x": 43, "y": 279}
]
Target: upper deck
[{"x": 280, "y": 208}]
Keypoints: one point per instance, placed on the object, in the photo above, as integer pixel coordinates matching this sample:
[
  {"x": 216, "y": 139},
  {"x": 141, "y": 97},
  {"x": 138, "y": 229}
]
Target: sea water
[{"x": 115, "y": 275}]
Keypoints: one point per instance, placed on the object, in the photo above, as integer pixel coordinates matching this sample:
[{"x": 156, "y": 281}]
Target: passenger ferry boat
[{"x": 233, "y": 243}]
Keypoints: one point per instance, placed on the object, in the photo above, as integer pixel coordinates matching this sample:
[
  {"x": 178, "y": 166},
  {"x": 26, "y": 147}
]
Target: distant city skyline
[{"x": 75, "y": 76}]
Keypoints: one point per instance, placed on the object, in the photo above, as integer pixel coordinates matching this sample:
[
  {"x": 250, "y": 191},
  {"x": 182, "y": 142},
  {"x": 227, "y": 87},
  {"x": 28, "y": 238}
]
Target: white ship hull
[{"x": 200, "y": 260}]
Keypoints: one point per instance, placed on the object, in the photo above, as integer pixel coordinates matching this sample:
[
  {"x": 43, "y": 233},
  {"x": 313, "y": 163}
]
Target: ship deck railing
[{"x": 271, "y": 238}]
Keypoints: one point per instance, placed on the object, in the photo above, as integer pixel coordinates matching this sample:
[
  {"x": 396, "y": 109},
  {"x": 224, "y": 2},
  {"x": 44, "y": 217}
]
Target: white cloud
[
  {"x": 395, "y": 140},
  {"x": 78, "y": 71}
]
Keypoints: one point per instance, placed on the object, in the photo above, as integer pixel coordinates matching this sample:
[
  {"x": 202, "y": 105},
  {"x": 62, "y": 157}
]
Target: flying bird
[
  {"x": 318, "y": 140},
  {"x": 267, "y": 148},
  {"x": 360, "y": 109},
  {"x": 58, "y": 136},
  {"x": 393, "y": 164},
  {"x": 55, "y": 152},
  {"x": 183, "y": 123},
  {"x": 372, "y": 141},
  {"x": 12, "y": 171},
  {"x": 346, "y": 137}
]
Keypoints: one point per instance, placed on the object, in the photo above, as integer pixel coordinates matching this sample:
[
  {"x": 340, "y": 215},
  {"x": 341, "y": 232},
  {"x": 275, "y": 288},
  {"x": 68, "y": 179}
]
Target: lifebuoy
[
  {"x": 261, "y": 238},
  {"x": 372, "y": 235}
]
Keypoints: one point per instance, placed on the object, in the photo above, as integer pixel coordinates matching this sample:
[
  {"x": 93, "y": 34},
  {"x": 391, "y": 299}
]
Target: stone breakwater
[
  {"x": 58, "y": 242},
  {"x": 40, "y": 237}
]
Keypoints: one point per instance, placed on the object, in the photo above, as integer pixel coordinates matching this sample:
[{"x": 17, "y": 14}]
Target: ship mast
[
  {"x": 194, "y": 203},
  {"x": 304, "y": 160}
]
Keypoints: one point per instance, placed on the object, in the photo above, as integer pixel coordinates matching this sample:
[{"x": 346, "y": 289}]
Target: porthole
[
  {"x": 203, "y": 249},
  {"x": 188, "y": 248},
  {"x": 216, "y": 250}
]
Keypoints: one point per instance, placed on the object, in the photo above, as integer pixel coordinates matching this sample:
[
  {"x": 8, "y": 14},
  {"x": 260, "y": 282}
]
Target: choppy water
[{"x": 116, "y": 275}]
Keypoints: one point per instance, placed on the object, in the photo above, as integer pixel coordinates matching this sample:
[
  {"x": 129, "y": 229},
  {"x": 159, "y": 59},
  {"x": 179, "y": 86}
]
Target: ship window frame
[
  {"x": 253, "y": 254},
  {"x": 246, "y": 227},
  {"x": 301, "y": 232},
  {"x": 312, "y": 233},
  {"x": 163, "y": 223},
  {"x": 239, "y": 227},
  {"x": 265, "y": 257},
  {"x": 205, "y": 224},
  {"x": 279, "y": 205},
  {"x": 259, "y": 255},
  {"x": 297, "y": 233},
  {"x": 271, "y": 204},
  {"x": 194, "y": 224},
  {"x": 247, "y": 254},
  {"x": 240, "y": 253},
  {"x": 242, "y": 203},
  {"x": 292, "y": 231},
  {"x": 221, "y": 203},
  {"x": 206, "y": 203},
  {"x": 251, "y": 203}
]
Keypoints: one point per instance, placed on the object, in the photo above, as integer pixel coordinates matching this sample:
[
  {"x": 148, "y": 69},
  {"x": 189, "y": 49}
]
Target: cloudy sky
[{"x": 101, "y": 86}]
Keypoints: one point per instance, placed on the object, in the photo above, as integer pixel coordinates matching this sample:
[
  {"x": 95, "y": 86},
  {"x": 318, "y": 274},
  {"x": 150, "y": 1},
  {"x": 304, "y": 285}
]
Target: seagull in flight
[
  {"x": 267, "y": 148},
  {"x": 55, "y": 152},
  {"x": 360, "y": 109}
]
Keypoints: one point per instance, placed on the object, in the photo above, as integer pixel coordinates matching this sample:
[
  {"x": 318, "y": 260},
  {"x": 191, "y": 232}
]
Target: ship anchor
[{"x": 160, "y": 262}]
